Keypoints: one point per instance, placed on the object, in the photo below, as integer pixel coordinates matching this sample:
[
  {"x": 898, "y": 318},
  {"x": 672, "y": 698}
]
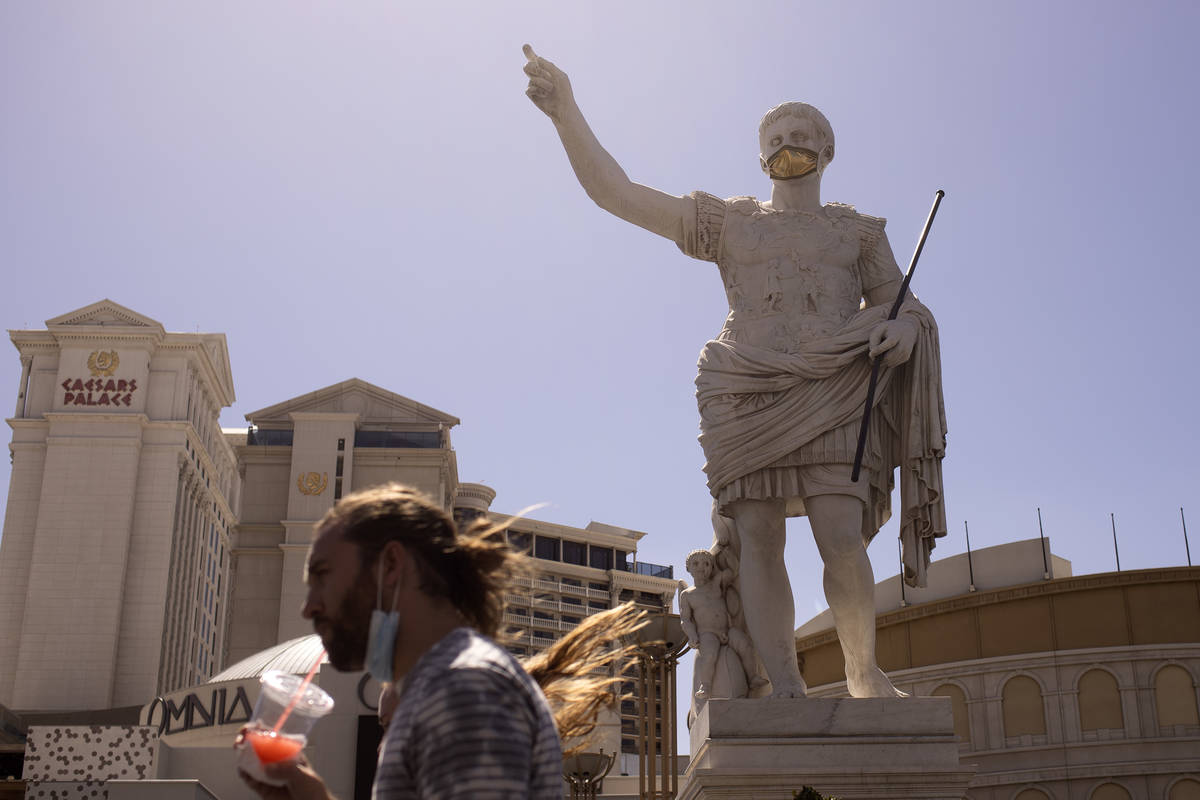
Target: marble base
[{"x": 853, "y": 749}]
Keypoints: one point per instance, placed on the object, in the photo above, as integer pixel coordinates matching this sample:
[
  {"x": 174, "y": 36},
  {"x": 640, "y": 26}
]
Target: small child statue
[{"x": 706, "y": 621}]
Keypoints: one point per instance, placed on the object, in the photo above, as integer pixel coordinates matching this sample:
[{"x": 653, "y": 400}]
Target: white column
[{"x": 23, "y": 386}]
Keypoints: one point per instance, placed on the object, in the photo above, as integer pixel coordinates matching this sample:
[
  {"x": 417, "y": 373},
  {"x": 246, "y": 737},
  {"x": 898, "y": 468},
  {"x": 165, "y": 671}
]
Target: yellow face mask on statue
[{"x": 791, "y": 162}]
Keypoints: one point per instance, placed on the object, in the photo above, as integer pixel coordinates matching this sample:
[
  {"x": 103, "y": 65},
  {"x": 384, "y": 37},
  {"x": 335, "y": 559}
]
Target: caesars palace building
[
  {"x": 150, "y": 571},
  {"x": 151, "y": 563}
]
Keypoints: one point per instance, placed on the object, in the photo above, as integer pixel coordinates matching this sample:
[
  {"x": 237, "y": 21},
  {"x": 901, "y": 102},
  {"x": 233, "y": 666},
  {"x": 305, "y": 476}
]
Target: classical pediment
[
  {"x": 372, "y": 404},
  {"x": 104, "y": 313}
]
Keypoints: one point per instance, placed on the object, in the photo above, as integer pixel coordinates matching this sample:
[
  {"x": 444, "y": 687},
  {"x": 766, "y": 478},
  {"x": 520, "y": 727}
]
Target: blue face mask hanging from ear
[{"x": 381, "y": 639}]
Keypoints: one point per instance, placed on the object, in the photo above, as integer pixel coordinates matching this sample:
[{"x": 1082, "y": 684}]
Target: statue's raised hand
[{"x": 549, "y": 88}]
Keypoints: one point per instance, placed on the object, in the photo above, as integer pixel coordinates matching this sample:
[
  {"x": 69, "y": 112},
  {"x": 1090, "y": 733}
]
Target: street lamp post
[
  {"x": 585, "y": 772},
  {"x": 660, "y": 644}
]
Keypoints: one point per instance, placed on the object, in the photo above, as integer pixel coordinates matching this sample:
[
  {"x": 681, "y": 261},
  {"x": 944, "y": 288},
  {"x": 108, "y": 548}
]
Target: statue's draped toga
[{"x": 782, "y": 388}]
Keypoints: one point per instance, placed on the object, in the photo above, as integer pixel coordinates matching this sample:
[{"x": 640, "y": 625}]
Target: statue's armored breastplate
[{"x": 790, "y": 276}]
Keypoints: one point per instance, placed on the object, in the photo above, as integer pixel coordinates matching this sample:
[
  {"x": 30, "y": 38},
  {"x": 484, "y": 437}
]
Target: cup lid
[{"x": 282, "y": 685}]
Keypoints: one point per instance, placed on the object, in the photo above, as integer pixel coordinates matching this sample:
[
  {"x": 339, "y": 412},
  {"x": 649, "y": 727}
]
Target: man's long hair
[{"x": 579, "y": 674}]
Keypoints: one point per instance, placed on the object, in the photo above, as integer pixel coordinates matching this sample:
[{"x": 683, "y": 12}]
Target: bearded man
[
  {"x": 782, "y": 387},
  {"x": 469, "y": 720}
]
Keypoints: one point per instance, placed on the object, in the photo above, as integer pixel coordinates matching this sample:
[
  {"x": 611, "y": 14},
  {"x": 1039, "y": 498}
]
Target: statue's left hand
[{"x": 894, "y": 340}]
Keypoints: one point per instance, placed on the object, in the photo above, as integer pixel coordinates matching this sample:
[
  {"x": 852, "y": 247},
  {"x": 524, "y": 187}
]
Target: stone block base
[{"x": 853, "y": 749}]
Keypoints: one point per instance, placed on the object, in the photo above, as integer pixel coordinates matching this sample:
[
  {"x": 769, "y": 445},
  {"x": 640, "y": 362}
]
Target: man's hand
[
  {"x": 300, "y": 781},
  {"x": 894, "y": 340},
  {"x": 549, "y": 88}
]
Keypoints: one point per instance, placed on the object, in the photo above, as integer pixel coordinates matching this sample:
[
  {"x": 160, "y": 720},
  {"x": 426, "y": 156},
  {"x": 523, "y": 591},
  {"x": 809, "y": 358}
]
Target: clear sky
[{"x": 363, "y": 190}]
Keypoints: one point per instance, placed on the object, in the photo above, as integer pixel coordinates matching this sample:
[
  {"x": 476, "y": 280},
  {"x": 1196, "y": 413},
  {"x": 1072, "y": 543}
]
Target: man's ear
[
  {"x": 395, "y": 560},
  {"x": 827, "y": 154}
]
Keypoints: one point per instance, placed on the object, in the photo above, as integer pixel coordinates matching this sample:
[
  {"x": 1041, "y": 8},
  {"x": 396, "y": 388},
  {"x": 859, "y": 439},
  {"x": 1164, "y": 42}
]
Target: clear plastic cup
[{"x": 263, "y": 744}]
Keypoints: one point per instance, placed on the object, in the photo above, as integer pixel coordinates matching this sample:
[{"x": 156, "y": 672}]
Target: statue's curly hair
[{"x": 687, "y": 563}]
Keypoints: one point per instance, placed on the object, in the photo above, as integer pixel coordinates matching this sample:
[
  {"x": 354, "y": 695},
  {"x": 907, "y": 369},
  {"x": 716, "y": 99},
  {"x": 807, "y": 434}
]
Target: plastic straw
[{"x": 299, "y": 692}]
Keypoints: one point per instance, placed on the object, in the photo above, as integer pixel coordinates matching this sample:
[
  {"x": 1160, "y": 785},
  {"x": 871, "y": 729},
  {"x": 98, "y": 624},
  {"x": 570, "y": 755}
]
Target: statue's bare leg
[
  {"x": 766, "y": 593},
  {"x": 836, "y": 521},
  {"x": 706, "y": 664},
  {"x": 745, "y": 652}
]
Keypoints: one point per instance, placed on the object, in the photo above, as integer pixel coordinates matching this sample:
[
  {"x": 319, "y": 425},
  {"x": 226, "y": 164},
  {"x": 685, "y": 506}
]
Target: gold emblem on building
[
  {"x": 103, "y": 364},
  {"x": 312, "y": 483}
]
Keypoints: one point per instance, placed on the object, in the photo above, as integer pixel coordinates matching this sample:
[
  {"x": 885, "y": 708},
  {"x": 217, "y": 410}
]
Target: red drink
[{"x": 271, "y": 747}]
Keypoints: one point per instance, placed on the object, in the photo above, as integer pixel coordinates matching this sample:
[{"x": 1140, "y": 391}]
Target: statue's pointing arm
[{"x": 598, "y": 172}]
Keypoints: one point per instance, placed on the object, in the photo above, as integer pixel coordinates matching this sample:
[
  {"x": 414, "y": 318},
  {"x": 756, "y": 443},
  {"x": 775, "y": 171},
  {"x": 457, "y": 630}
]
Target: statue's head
[
  {"x": 795, "y": 140},
  {"x": 700, "y": 564}
]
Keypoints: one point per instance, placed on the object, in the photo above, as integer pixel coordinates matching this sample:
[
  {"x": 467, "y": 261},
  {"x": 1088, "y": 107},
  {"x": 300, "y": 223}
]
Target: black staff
[{"x": 912, "y": 266}]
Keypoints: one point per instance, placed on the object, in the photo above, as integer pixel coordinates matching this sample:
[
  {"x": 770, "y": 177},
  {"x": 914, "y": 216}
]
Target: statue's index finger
[{"x": 529, "y": 54}]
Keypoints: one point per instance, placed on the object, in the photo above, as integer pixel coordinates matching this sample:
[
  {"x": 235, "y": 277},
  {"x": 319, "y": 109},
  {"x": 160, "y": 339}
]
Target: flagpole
[
  {"x": 1183, "y": 520},
  {"x": 1113, "y": 517},
  {"x": 1042, "y": 537},
  {"x": 970, "y": 566}
]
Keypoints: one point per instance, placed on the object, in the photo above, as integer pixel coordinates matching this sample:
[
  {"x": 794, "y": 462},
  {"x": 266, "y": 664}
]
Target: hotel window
[
  {"x": 574, "y": 553},
  {"x": 546, "y": 548},
  {"x": 519, "y": 541},
  {"x": 600, "y": 557},
  {"x": 337, "y": 474},
  {"x": 396, "y": 439}
]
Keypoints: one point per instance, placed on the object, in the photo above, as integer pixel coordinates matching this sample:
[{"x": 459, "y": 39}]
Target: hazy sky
[{"x": 363, "y": 190}]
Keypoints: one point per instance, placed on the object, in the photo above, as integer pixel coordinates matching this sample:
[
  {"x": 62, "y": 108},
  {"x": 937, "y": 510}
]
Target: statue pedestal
[{"x": 853, "y": 749}]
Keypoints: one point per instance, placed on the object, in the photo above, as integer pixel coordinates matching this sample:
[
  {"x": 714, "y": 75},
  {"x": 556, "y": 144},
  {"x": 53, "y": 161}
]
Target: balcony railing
[{"x": 652, "y": 570}]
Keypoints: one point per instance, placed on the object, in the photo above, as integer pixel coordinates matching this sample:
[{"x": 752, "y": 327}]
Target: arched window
[
  {"x": 1032, "y": 794},
  {"x": 958, "y": 703},
  {"x": 1110, "y": 791},
  {"x": 1175, "y": 697},
  {"x": 1099, "y": 701},
  {"x": 1186, "y": 789},
  {"x": 1022, "y": 704}
]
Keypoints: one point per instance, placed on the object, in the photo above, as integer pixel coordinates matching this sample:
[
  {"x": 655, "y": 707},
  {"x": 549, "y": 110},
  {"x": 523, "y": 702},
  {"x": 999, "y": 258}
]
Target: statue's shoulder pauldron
[{"x": 743, "y": 205}]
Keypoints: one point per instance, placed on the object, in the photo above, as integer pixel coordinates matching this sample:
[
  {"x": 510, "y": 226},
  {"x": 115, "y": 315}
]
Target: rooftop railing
[{"x": 653, "y": 570}]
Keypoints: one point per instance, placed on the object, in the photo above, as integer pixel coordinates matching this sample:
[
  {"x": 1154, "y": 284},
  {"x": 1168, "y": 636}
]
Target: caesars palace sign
[{"x": 101, "y": 389}]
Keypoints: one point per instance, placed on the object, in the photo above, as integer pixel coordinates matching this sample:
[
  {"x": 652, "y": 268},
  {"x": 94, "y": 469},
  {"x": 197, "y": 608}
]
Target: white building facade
[{"x": 120, "y": 509}]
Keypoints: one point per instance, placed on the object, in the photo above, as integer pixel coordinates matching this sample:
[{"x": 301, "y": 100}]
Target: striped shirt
[{"x": 470, "y": 723}]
